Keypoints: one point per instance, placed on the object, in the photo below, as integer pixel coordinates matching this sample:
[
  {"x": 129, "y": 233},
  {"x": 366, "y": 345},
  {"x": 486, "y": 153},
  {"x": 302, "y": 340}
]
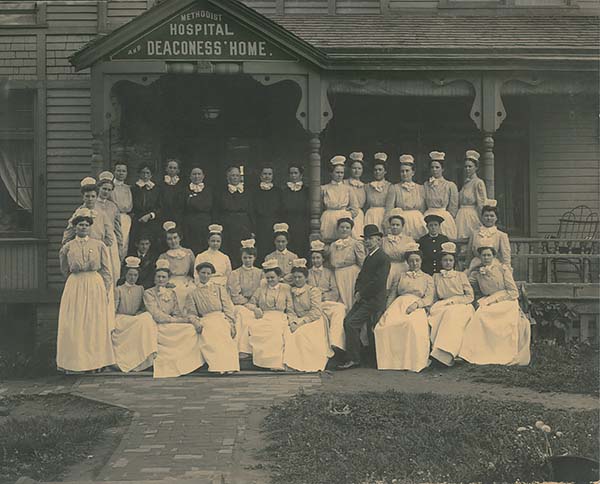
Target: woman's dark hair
[
  {"x": 122, "y": 163},
  {"x": 145, "y": 166},
  {"x": 296, "y": 165},
  {"x": 474, "y": 161},
  {"x": 266, "y": 166},
  {"x": 333, "y": 167},
  {"x": 249, "y": 251},
  {"x": 276, "y": 270},
  {"x": 231, "y": 167},
  {"x": 414, "y": 252},
  {"x": 210, "y": 234},
  {"x": 176, "y": 160},
  {"x": 380, "y": 162},
  {"x": 285, "y": 234},
  {"x": 399, "y": 217},
  {"x": 481, "y": 249},
  {"x": 162, "y": 269},
  {"x": 410, "y": 165},
  {"x": 356, "y": 161},
  {"x": 487, "y": 208},
  {"x": 303, "y": 270},
  {"x": 345, "y": 219},
  {"x": 92, "y": 187},
  {"x": 104, "y": 182},
  {"x": 453, "y": 257},
  {"x": 441, "y": 162},
  {"x": 198, "y": 167},
  {"x": 202, "y": 265},
  {"x": 174, "y": 230},
  {"x": 82, "y": 218}
]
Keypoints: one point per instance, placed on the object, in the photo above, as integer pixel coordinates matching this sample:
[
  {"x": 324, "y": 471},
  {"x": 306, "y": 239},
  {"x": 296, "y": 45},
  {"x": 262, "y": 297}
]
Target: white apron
[
  {"x": 135, "y": 341},
  {"x": 467, "y": 221},
  {"x": 307, "y": 349},
  {"x": 345, "y": 279},
  {"x": 335, "y": 312},
  {"x": 125, "y": 229},
  {"x": 179, "y": 351},
  {"x": 219, "y": 349},
  {"x": 375, "y": 216},
  {"x": 267, "y": 339},
  {"x": 414, "y": 224},
  {"x": 448, "y": 323}
]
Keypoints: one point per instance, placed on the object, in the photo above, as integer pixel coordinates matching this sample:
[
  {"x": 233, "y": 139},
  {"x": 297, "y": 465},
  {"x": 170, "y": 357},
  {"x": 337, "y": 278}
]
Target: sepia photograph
[{"x": 299, "y": 241}]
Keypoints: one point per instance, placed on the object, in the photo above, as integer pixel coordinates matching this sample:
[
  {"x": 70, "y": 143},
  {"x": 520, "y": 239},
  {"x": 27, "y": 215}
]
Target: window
[{"x": 16, "y": 162}]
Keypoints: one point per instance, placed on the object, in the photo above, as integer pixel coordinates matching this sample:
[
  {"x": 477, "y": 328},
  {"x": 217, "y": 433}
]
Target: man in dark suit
[
  {"x": 143, "y": 250},
  {"x": 369, "y": 297}
]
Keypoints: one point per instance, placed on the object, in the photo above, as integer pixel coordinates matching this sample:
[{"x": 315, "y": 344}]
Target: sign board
[{"x": 201, "y": 32}]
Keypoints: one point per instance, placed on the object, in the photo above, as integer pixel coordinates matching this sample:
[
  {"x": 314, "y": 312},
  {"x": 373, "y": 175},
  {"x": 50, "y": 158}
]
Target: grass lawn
[
  {"x": 44, "y": 435},
  {"x": 378, "y": 437},
  {"x": 553, "y": 368}
]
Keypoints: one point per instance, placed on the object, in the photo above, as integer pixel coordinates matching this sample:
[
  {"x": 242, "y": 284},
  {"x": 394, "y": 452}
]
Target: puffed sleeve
[
  {"x": 314, "y": 312},
  {"x": 68, "y": 234},
  {"x": 153, "y": 308},
  {"x": 393, "y": 292},
  {"x": 228, "y": 268},
  {"x": 227, "y": 303},
  {"x": 235, "y": 289},
  {"x": 453, "y": 199},
  {"x": 192, "y": 266},
  {"x": 427, "y": 299},
  {"x": 105, "y": 266},
  {"x": 253, "y": 302},
  {"x": 468, "y": 296},
  {"x": 510, "y": 292},
  {"x": 480, "y": 194},
  {"x": 190, "y": 306},
  {"x": 504, "y": 254},
  {"x": 289, "y": 303},
  {"x": 353, "y": 204},
  {"x": 360, "y": 253},
  {"x": 63, "y": 260},
  {"x": 118, "y": 230}
]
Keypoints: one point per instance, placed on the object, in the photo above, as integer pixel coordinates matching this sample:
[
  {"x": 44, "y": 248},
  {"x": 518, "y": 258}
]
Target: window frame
[{"x": 500, "y": 4}]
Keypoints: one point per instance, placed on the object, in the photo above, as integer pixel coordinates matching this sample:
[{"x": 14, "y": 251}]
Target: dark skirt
[
  {"x": 195, "y": 229},
  {"x": 237, "y": 226}
]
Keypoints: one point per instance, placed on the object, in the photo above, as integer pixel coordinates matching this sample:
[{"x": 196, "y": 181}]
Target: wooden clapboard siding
[
  {"x": 69, "y": 152},
  {"x": 306, "y": 7},
  {"x": 122, "y": 11},
  {"x": 72, "y": 14},
  {"x": 18, "y": 260},
  {"x": 263, "y": 6},
  {"x": 58, "y": 49},
  {"x": 411, "y": 4},
  {"x": 358, "y": 6},
  {"x": 18, "y": 57},
  {"x": 565, "y": 157}
]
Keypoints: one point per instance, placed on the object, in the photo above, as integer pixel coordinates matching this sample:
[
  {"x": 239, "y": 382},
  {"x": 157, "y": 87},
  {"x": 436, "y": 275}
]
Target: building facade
[{"x": 87, "y": 83}]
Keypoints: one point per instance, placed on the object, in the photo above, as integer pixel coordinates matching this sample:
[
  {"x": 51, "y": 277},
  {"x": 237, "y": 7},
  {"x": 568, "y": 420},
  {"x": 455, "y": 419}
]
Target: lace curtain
[{"x": 16, "y": 171}]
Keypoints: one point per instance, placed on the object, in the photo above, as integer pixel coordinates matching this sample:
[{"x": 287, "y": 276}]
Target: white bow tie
[
  {"x": 145, "y": 184},
  {"x": 377, "y": 185},
  {"x": 236, "y": 188},
  {"x": 394, "y": 238},
  {"x": 118, "y": 183},
  {"x": 295, "y": 186},
  {"x": 196, "y": 187},
  {"x": 341, "y": 243},
  {"x": 488, "y": 231},
  {"x": 412, "y": 274},
  {"x": 408, "y": 185},
  {"x": 355, "y": 183},
  {"x": 266, "y": 185},
  {"x": 433, "y": 181},
  {"x": 446, "y": 273},
  {"x": 171, "y": 180}
]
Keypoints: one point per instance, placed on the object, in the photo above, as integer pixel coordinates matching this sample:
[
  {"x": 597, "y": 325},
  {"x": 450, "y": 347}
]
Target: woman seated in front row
[
  {"x": 135, "y": 337},
  {"x": 269, "y": 305},
  {"x": 499, "y": 333},
  {"x": 452, "y": 311},
  {"x": 306, "y": 344},
  {"x": 209, "y": 307},
  {"x": 402, "y": 333},
  {"x": 181, "y": 262},
  {"x": 179, "y": 346}
]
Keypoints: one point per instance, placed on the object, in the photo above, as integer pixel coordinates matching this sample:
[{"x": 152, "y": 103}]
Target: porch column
[
  {"x": 487, "y": 162},
  {"x": 315, "y": 183}
]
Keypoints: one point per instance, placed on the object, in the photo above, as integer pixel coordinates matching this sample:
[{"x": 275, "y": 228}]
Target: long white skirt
[
  {"x": 83, "y": 342},
  {"x": 183, "y": 286},
  {"x": 179, "y": 350},
  {"x": 374, "y": 215},
  {"x": 115, "y": 261},
  {"x": 498, "y": 334},
  {"x": 402, "y": 340},
  {"x": 448, "y": 323},
  {"x": 335, "y": 312},
  {"x": 448, "y": 226},
  {"x": 467, "y": 221},
  {"x": 414, "y": 224},
  {"x": 135, "y": 341},
  {"x": 396, "y": 268},
  {"x": 267, "y": 339},
  {"x": 307, "y": 349},
  {"x": 219, "y": 349},
  {"x": 359, "y": 224},
  {"x": 125, "y": 229},
  {"x": 345, "y": 279},
  {"x": 242, "y": 334},
  {"x": 329, "y": 220}
]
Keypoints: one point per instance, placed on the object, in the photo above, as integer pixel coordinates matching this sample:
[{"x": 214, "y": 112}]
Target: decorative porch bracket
[{"x": 300, "y": 80}]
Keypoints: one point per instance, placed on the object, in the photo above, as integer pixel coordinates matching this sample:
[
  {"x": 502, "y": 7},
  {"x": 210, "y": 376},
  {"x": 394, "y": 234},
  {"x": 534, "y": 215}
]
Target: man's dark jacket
[{"x": 372, "y": 279}]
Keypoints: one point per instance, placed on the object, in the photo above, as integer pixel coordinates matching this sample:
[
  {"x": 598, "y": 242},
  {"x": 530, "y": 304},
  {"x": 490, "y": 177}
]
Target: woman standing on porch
[
  {"x": 267, "y": 210},
  {"x": 409, "y": 197},
  {"x": 122, "y": 197},
  {"x": 441, "y": 195},
  {"x": 470, "y": 198},
  {"x": 172, "y": 193},
  {"x": 295, "y": 208},
  {"x": 499, "y": 333},
  {"x": 377, "y": 192},
  {"x": 145, "y": 207},
  {"x": 181, "y": 262},
  {"x": 395, "y": 244},
  {"x": 338, "y": 200},
  {"x": 197, "y": 214},
  {"x": 111, "y": 212},
  {"x": 84, "y": 322},
  {"x": 357, "y": 168}
]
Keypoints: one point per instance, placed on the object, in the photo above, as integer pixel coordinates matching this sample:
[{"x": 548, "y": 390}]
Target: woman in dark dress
[
  {"x": 295, "y": 205},
  {"x": 235, "y": 212},
  {"x": 267, "y": 211},
  {"x": 198, "y": 212},
  {"x": 144, "y": 215},
  {"x": 172, "y": 196}
]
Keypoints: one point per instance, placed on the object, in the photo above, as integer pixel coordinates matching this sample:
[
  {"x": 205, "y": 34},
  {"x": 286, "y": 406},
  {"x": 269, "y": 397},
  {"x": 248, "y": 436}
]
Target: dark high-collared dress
[
  {"x": 267, "y": 212},
  {"x": 197, "y": 216},
  {"x": 431, "y": 247},
  {"x": 235, "y": 212},
  {"x": 145, "y": 201},
  {"x": 295, "y": 212}
]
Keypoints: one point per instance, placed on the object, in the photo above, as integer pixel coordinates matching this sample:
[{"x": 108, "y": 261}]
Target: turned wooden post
[
  {"x": 315, "y": 183},
  {"x": 487, "y": 158}
]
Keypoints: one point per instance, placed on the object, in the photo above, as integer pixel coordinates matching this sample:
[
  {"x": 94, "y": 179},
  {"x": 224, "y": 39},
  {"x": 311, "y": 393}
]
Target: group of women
[{"x": 188, "y": 307}]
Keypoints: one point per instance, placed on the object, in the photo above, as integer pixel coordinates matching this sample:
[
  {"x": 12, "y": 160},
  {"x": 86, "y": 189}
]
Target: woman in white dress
[
  {"x": 306, "y": 344},
  {"x": 179, "y": 346},
  {"x": 452, "y": 310},
  {"x": 489, "y": 235},
  {"x": 213, "y": 254},
  {"x": 441, "y": 195},
  {"x": 269, "y": 305},
  {"x": 83, "y": 342},
  {"x": 135, "y": 337},
  {"x": 499, "y": 333},
  {"x": 181, "y": 262},
  {"x": 346, "y": 256},
  {"x": 242, "y": 283},
  {"x": 358, "y": 188},
  {"x": 281, "y": 254},
  {"x": 105, "y": 205},
  {"x": 334, "y": 311},
  {"x": 394, "y": 244},
  {"x": 122, "y": 197},
  {"x": 338, "y": 200},
  {"x": 402, "y": 333},
  {"x": 377, "y": 192},
  {"x": 210, "y": 307},
  {"x": 471, "y": 198}
]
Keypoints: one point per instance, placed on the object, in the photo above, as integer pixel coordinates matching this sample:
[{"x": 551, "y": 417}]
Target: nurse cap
[
  {"x": 396, "y": 213},
  {"x": 132, "y": 262},
  {"x": 472, "y": 155},
  {"x": 248, "y": 244},
  {"x": 338, "y": 160},
  {"x": 299, "y": 263},
  {"x": 408, "y": 159},
  {"x": 357, "y": 156},
  {"x": 380, "y": 157},
  {"x": 106, "y": 175},
  {"x": 82, "y": 212},
  {"x": 88, "y": 180},
  {"x": 215, "y": 229},
  {"x": 163, "y": 264},
  {"x": 281, "y": 227},
  {"x": 412, "y": 247},
  {"x": 449, "y": 248},
  {"x": 317, "y": 246},
  {"x": 437, "y": 156},
  {"x": 490, "y": 202},
  {"x": 169, "y": 225},
  {"x": 270, "y": 264}
]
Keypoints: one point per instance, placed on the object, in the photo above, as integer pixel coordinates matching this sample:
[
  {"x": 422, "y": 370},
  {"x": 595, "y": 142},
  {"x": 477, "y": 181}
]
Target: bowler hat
[{"x": 371, "y": 230}]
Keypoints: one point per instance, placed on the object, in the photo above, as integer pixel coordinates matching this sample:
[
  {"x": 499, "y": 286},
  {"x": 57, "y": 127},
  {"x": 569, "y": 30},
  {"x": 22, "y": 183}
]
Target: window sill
[{"x": 6, "y": 239}]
